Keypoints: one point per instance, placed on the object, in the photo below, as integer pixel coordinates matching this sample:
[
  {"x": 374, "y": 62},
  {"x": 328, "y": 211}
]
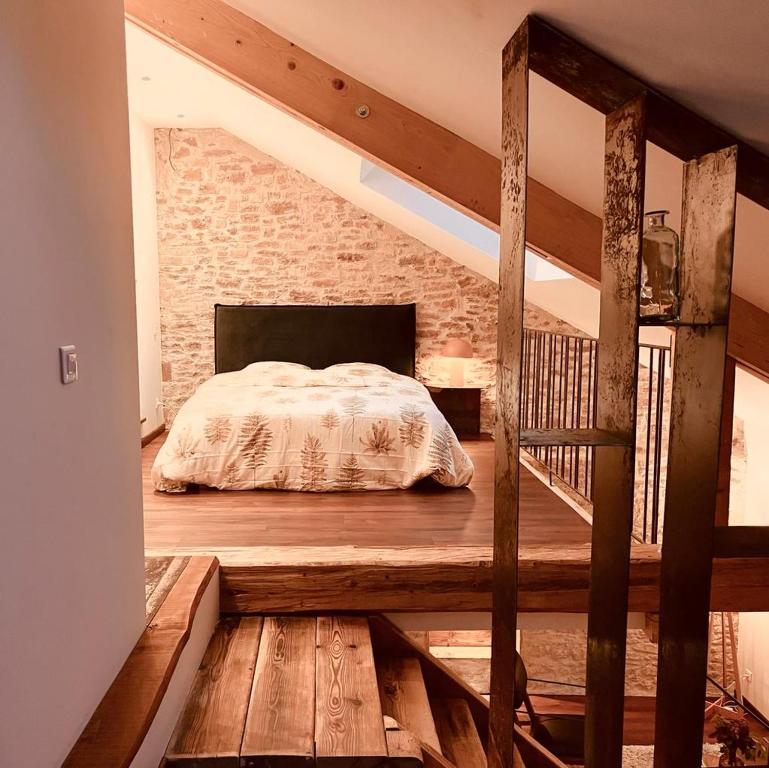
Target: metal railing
[{"x": 559, "y": 391}]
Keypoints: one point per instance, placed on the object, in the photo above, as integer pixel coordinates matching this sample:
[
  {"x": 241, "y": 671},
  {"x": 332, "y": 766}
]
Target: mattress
[{"x": 275, "y": 425}]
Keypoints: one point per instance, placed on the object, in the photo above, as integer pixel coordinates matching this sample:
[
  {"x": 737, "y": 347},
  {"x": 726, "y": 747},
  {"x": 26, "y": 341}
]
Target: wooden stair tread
[
  {"x": 281, "y": 711},
  {"x": 403, "y": 696},
  {"x": 459, "y": 737},
  {"x": 349, "y": 730},
  {"x": 530, "y": 438},
  {"x": 211, "y": 724},
  {"x": 403, "y": 747}
]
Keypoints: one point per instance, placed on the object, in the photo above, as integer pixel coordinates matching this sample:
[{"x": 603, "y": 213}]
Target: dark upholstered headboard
[{"x": 317, "y": 336}]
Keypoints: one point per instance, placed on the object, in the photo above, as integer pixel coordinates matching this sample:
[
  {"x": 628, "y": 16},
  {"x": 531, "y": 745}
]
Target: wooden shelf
[
  {"x": 656, "y": 322},
  {"x": 531, "y": 438}
]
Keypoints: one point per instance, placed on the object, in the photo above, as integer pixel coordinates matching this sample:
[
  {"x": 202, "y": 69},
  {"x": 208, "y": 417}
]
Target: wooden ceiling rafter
[
  {"x": 605, "y": 86},
  {"x": 435, "y": 159}
]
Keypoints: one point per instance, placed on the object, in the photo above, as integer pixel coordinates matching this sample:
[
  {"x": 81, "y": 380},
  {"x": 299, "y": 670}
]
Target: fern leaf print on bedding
[
  {"x": 378, "y": 439},
  {"x": 186, "y": 446},
  {"x": 353, "y": 406},
  {"x": 330, "y": 420},
  {"x": 231, "y": 473},
  {"x": 255, "y": 439},
  {"x": 314, "y": 464},
  {"x": 440, "y": 455},
  {"x": 412, "y": 428},
  {"x": 217, "y": 429},
  {"x": 350, "y": 477}
]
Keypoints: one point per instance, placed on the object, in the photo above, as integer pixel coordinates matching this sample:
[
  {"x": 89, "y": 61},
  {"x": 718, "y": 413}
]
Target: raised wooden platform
[
  {"x": 425, "y": 515},
  {"x": 426, "y": 549}
]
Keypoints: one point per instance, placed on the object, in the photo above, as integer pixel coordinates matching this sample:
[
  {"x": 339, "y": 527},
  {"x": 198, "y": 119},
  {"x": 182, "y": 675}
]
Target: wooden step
[
  {"x": 459, "y": 737},
  {"x": 403, "y": 747},
  {"x": 210, "y": 728},
  {"x": 403, "y": 695},
  {"x": 280, "y": 725},
  {"x": 349, "y": 729}
]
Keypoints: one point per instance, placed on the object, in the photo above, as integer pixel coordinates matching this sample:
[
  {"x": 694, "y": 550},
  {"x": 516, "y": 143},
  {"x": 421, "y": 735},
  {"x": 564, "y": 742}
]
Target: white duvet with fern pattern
[{"x": 348, "y": 427}]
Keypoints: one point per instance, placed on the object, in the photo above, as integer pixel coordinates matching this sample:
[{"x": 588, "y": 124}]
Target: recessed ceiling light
[
  {"x": 146, "y": 78},
  {"x": 180, "y": 115}
]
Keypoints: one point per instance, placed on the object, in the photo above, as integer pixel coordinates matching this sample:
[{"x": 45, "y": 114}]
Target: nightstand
[{"x": 462, "y": 408}]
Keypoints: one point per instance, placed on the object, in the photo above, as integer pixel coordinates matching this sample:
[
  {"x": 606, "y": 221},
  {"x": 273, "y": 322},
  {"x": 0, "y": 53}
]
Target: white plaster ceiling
[{"x": 442, "y": 58}]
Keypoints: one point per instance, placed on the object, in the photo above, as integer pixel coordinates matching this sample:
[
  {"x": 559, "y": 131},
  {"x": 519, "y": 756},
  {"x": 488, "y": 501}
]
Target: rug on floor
[{"x": 160, "y": 574}]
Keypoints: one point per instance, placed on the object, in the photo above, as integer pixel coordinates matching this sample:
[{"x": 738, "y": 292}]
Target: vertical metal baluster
[
  {"x": 658, "y": 447},
  {"x": 574, "y": 411},
  {"x": 578, "y": 343},
  {"x": 648, "y": 446}
]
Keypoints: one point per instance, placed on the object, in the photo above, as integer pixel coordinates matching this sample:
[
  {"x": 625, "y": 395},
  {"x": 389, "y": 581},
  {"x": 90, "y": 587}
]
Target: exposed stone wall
[
  {"x": 237, "y": 226},
  {"x": 561, "y": 656}
]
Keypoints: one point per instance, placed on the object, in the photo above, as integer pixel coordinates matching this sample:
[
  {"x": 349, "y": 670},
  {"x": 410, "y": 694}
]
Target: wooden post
[
  {"x": 616, "y": 413},
  {"x": 515, "y": 104},
  {"x": 693, "y": 456}
]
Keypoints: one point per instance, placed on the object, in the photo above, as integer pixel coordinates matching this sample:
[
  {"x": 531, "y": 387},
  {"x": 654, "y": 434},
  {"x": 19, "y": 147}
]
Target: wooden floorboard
[
  {"x": 117, "y": 728},
  {"x": 280, "y": 724},
  {"x": 349, "y": 729},
  {"x": 210, "y": 729},
  {"x": 426, "y": 515}
]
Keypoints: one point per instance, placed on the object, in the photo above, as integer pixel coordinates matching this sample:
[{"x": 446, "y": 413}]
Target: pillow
[
  {"x": 275, "y": 366},
  {"x": 357, "y": 369}
]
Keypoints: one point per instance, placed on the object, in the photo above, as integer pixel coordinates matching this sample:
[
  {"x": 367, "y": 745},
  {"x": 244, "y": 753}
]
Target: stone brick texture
[{"x": 237, "y": 226}]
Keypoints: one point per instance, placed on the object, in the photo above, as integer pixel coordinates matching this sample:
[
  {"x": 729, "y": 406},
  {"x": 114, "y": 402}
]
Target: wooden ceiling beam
[
  {"x": 605, "y": 86},
  {"x": 421, "y": 151}
]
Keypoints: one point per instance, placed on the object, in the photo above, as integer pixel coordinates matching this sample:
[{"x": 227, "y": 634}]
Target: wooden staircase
[{"x": 329, "y": 691}]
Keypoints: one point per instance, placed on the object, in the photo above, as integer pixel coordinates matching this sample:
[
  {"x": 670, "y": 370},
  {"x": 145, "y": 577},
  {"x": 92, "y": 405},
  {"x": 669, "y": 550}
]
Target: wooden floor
[{"x": 426, "y": 515}]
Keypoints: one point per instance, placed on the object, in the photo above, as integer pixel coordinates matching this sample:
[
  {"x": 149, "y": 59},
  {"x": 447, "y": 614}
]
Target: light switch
[{"x": 68, "y": 359}]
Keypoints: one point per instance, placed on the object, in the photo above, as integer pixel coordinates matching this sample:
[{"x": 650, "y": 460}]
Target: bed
[{"x": 311, "y": 398}]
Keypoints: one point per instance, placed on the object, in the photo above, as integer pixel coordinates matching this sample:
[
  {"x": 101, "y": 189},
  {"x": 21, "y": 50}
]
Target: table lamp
[{"x": 457, "y": 350}]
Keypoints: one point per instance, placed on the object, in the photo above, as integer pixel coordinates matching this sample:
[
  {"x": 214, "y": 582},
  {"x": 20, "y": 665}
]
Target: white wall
[
  {"x": 147, "y": 272},
  {"x": 72, "y": 588},
  {"x": 751, "y": 404}
]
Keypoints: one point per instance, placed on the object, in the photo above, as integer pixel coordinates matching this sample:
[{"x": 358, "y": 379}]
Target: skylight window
[{"x": 452, "y": 221}]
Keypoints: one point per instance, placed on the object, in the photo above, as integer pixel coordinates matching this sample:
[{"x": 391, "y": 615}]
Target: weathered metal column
[
  {"x": 616, "y": 413},
  {"x": 515, "y": 107},
  {"x": 692, "y": 481}
]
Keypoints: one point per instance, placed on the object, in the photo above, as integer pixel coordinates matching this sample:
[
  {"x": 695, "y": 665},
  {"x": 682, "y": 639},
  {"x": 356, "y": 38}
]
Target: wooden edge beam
[
  {"x": 435, "y": 579},
  {"x": 122, "y": 719},
  {"x": 741, "y": 541}
]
